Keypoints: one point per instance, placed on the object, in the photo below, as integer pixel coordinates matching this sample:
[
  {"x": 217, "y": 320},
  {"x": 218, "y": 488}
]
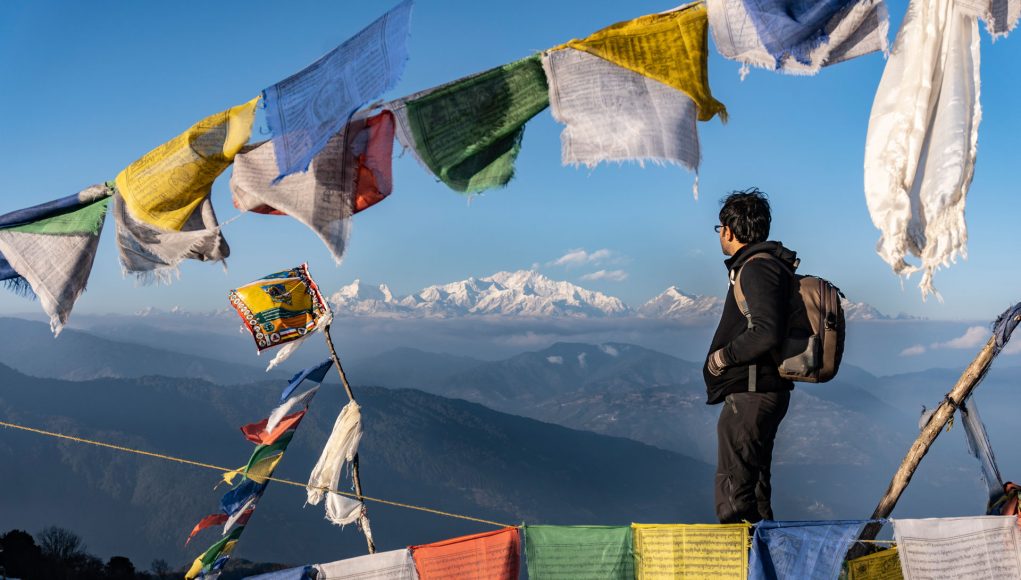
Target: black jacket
[{"x": 767, "y": 285}]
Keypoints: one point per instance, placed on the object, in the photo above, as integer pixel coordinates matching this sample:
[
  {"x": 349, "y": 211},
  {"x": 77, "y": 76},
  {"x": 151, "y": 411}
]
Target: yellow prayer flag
[
  {"x": 671, "y": 48},
  {"x": 195, "y": 570},
  {"x": 227, "y": 548},
  {"x": 883, "y": 565},
  {"x": 164, "y": 186},
  {"x": 695, "y": 551},
  {"x": 230, "y": 475},
  {"x": 258, "y": 472},
  {"x": 263, "y": 469}
]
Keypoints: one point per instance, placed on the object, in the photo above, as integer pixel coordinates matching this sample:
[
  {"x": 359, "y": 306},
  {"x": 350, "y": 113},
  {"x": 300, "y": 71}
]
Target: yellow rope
[
  {"x": 280, "y": 480},
  {"x": 225, "y": 470}
]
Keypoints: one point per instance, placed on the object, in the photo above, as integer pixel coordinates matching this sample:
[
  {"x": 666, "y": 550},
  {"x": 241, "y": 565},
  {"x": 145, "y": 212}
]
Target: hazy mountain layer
[{"x": 418, "y": 448}]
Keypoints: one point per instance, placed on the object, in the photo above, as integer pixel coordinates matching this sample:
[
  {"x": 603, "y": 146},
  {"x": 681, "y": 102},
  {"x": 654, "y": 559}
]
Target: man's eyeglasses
[{"x": 718, "y": 228}]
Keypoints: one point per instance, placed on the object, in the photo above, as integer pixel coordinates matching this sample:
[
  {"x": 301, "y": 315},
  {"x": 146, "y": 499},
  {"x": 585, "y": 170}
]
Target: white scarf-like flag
[
  {"x": 921, "y": 144},
  {"x": 340, "y": 448},
  {"x": 393, "y": 565},
  {"x": 614, "y": 114},
  {"x": 976, "y": 547}
]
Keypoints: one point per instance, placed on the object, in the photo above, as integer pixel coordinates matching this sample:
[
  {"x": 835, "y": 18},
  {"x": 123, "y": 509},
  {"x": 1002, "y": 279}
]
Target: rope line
[
  {"x": 226, "y": 469},
  {"x": 281, "y": 480}
]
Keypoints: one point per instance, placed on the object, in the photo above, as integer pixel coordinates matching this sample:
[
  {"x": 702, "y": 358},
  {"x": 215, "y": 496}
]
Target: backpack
[{"x": 814, "y": 345}]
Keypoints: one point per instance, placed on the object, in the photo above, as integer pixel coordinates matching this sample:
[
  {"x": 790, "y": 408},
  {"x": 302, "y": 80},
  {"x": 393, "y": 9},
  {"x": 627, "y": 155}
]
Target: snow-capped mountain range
[{"x": 529, "y": 294}]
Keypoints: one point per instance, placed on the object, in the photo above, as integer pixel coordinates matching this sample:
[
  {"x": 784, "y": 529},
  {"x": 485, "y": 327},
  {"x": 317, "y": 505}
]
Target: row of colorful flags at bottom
[{"x": 969, "y": 547}]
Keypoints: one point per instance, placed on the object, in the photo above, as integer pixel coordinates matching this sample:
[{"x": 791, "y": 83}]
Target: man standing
[{"x": 741, "y": 368}]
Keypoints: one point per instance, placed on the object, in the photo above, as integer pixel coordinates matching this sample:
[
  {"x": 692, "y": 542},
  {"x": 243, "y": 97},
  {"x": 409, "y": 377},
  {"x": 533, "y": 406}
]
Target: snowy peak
[
  {"x": 522, "y": 293},
  {"x": 359, "y": 298},
  {"x": 673, "y": 303},
  {"x": 857, "y": 311},
  {"x": 529, "y": 294}
]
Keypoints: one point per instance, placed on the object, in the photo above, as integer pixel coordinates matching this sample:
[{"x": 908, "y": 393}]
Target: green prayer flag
[
  {"x": 579, "y": 552},
  {"x": 88, "y": 219},
  {"x": 264, "y": 451},
  {"x": 468, "y": 132},
  {"x": 209, "y": 556}
]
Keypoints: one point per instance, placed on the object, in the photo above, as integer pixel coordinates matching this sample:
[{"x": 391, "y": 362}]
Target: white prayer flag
[
  {"x": 614, "y": 114},
  {"x": 960, "y": 548},
  {"x": 393, "y": 565}
]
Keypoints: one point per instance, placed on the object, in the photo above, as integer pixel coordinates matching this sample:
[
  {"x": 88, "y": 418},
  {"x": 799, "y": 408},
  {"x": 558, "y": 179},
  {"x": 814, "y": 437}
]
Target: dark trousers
[{"x": 746, "y": 431}]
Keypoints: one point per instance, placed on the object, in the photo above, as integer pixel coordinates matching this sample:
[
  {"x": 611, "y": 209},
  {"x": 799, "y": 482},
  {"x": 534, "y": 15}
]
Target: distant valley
[{"x": 567, "y": 432}]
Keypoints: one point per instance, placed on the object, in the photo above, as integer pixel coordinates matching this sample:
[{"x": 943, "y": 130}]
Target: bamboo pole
[
  {"x": 944, "y": 412},
  {"x": 363, "y": 520}
]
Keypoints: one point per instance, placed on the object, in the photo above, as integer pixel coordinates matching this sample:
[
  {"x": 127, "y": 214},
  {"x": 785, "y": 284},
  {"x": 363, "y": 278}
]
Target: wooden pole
[
  {"x": 969, "y": 379},
  {"x": 363, "y": 519}
]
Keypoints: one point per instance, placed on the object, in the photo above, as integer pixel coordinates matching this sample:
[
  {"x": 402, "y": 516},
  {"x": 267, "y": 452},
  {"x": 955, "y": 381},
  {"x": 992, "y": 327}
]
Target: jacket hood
[{"x": 777, "y": 249}]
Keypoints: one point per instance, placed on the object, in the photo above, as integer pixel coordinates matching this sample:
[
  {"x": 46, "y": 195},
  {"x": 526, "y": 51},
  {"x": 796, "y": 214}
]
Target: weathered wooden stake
[
  {"x": 969, "y": 379},
  {"x": 363, "y": 520}
]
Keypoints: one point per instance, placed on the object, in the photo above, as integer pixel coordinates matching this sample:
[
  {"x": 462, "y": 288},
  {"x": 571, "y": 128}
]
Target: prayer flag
[
  {"x": 162, "y": 206},
  {"x": 393, "y": 565},
  {"x": 216, "y": 520},
  {"x": 797, "y": 37},
  {"x": 278, "y": 414},
  {"x": 981, "y": 449},
  {"x": 1001, "y": 16},
  {"x": 884, "y": 565},
  {"x": 257, "y": 432},
  {"x": 352, "y": 173},
  {"x": 573, "y": 552},
  {"x": 315, "y": 374},
  {"x": 468, "y": 132},
  {"x": 304, "y": 110},
  {"x": 263, "y": 461},
  {"x": 976, "y": 547},
  {"x": 235, "y": 499},
  {"x": 709, "y": 552},
  {"x": 670, "y": 47},
  {"x": 223, "y": 547},
  {"x": 615, "y": 114},
  {"x": 242, "y": 514},
  {"x": 299, "y": 573},
  {"x": 809, "y": 550},
  {"x": 487, "y": 556},
  {"x": 922, "y": 139},
  {"x": 340, "y": 448},
  {"x": 50, "y": 248},
  {"x": 282, "y": 308}
]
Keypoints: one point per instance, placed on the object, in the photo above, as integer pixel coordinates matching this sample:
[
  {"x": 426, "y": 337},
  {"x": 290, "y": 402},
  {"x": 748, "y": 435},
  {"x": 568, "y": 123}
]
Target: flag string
[
  {"x": 184, "y": 461},
  {"x": 218, "y": 468}
]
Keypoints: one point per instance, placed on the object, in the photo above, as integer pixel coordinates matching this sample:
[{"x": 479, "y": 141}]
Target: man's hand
[{"x": 717, "y": 363}]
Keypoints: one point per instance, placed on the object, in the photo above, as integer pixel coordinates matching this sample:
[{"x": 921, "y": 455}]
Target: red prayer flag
[
  {"x": 217, "y": 520},
  {"x": 374, "y": 179},
  {"x": 256, "y": 432},
  {"x": 487, "y": 556}
]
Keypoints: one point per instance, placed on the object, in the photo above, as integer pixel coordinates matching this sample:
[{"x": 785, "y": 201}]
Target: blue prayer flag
[
  {"x": 306, "y": 109},
  {"x": 803, "y": 550},
  {"x": 794, "y": 27},
  {"x": 299, "y": 573},
  {"x": 315, "y": 374},
  {"x": 235, "y": 499}
]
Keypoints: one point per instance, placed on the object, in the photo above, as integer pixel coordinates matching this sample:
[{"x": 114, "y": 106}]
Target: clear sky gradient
[{"x": 89, "y": 87}]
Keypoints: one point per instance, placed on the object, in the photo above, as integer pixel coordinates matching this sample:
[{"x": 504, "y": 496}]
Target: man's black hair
[{"x": 746, "y": 213}]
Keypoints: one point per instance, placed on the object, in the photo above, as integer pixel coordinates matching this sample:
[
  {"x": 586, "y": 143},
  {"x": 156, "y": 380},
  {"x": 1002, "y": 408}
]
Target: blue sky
[{"x": 89, "y": 87}]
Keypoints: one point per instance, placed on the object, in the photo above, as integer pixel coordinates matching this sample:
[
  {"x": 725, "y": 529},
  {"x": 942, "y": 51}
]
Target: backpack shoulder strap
[
  {"x": 742, "y": 305},
  {"x": 735, "y": 279}
]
